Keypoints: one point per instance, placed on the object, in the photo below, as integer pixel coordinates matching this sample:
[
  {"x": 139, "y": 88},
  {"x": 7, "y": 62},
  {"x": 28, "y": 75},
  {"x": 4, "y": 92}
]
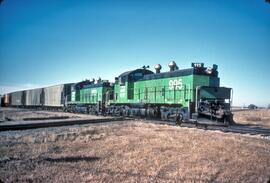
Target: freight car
[
  {"x": 53, "y": 97},
  {"x": 17, "y": 99},
  {"x": 34, "y": 97},
  {"x": 57, "y": 96},
  {"x": 5, "y": 100}
]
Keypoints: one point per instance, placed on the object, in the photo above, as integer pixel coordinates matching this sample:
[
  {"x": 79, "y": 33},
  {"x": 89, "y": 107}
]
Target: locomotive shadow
[
  {"x": 252, "y": 127},
  {"x": 72, "y": 159}
]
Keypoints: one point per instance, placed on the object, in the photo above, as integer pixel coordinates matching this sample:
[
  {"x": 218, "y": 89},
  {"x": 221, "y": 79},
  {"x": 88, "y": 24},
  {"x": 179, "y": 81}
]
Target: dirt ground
[
  {"x": 132, "y": 152},
  {"x": 16, "y": 114},
  {"x": 258, "y": 117}
]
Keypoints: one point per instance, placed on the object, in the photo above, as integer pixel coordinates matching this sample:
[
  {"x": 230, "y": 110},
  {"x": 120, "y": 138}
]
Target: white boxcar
[
  {"x": 53, "y": 96},
  {"x": 56, "y": 96},
  {"x": 17, "y": 98},
  {"x": 34, "y": 97}
]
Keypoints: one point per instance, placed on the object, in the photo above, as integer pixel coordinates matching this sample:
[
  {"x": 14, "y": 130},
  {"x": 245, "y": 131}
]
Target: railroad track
[
  {"x": 237, "y": 128},
  {"x": 249, "y": 130},
  {"x": 58, "y": 123},
  {"x": 240, "y": 129}
]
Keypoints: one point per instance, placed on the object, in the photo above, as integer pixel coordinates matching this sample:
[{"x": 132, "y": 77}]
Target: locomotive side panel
[
  {"x": 93, "y": 95},
  {"x": 173, "y": 90}
]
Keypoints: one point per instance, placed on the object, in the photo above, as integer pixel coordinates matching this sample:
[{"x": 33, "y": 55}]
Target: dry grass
[
  {"x": 259, "y": 117},
  {"x": 132, "y": 152}
]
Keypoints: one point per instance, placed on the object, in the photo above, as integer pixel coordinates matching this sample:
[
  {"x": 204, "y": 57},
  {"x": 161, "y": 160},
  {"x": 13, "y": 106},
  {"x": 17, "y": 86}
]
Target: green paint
[{"x": 175, "y": 90}]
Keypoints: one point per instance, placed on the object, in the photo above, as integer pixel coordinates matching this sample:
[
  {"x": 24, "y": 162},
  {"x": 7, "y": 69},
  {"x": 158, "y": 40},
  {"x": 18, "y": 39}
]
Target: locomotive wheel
[
  {"x": 179, "y": 119},
  {"x": 228, "y": 120}
]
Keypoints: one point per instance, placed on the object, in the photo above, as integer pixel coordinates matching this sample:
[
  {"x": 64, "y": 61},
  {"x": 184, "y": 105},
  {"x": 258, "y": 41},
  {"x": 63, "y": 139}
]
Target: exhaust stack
[
  {"x": 158, "y": 68},
  {"x": 172, "y": 65}
]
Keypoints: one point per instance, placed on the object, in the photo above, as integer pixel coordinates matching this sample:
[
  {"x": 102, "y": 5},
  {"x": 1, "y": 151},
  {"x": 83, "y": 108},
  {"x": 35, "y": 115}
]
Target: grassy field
[
  {"x": 132, "y": 152},
  {"x": 259, "y": 117}
]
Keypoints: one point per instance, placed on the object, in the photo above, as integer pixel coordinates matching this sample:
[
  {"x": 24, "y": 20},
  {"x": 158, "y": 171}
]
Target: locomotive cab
[
  {"x": 124, "y": 84},
  {"x": 132, "y": 76}
]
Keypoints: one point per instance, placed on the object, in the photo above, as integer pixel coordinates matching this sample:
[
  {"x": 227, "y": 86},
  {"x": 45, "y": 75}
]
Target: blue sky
[{"x": 50, "y": 42}]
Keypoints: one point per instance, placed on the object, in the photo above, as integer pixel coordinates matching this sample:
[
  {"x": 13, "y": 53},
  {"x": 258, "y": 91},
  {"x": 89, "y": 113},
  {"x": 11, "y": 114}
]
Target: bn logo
[{"x": 175, "y": 84}]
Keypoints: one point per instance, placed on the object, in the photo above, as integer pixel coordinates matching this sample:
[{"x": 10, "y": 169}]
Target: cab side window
[{"x": 122, "y": 81}]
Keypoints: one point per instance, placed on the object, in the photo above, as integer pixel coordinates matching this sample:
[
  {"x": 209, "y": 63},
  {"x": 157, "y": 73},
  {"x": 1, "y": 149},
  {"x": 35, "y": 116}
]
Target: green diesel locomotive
[{"x": 180, "y": 94}]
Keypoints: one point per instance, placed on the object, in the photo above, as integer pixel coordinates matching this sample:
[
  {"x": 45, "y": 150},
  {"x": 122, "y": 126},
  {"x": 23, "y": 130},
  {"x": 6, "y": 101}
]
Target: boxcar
[
  {"x": 56, "y": 96},
  {"x": 34, "y": 97},
  {"x": 5, "y": 100},
  {"x": 17, "y": 98}
]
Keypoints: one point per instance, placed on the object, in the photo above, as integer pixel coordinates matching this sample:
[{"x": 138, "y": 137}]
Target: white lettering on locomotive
[{"x": 175, "y": 84}]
